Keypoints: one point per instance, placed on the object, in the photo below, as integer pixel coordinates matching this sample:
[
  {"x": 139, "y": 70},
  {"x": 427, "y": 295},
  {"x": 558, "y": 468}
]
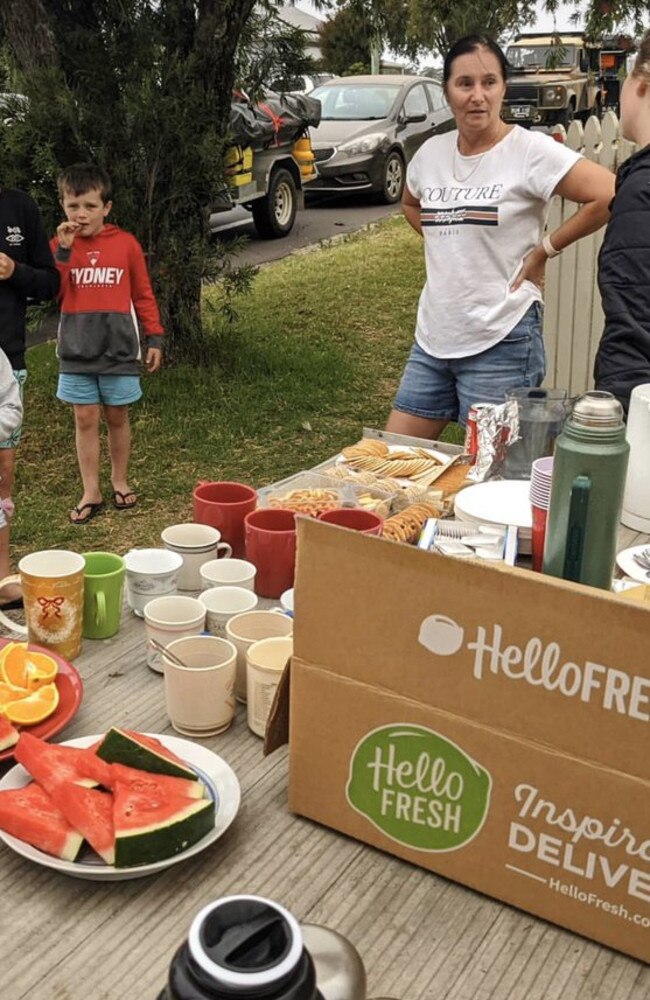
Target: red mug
[
  {"x": 539, "y": 533},
  {"x": 271, "y": 546},
  {"x": 224, "y": 506},
  {"x": 356, "y": 518}
]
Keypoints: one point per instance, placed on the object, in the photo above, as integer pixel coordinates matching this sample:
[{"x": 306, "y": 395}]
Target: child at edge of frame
[{"x": 106, "y": 300}]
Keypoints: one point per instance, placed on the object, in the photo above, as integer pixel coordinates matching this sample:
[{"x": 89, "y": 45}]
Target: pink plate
[{"x": 70, "y": 688}]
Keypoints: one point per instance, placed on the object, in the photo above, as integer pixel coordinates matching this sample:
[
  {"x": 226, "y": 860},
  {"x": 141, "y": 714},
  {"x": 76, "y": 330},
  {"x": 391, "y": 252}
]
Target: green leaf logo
[{"x": 418, "y": 788}]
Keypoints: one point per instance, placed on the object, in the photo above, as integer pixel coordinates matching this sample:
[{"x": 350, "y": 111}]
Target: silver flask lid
[{"x": 598, "y": 410}]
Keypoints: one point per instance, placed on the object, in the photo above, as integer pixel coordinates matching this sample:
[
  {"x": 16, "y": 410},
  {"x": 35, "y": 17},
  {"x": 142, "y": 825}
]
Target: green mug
[{"x": 103, "y": 584}]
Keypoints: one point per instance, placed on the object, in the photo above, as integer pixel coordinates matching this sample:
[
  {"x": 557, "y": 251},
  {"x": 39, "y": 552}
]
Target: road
[{"x": 323, "y": 218}]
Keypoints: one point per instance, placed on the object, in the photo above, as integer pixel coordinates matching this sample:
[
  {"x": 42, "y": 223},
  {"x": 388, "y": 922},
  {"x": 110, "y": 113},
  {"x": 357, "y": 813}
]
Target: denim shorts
[
  {"x": 111, "y": 390},
  {"x": 445, "y": 388},
  {"x": 20, "y": 374}
]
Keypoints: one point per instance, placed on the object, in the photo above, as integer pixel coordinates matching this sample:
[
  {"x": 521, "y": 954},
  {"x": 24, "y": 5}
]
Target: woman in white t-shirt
[{"x": 478, "y": 197}]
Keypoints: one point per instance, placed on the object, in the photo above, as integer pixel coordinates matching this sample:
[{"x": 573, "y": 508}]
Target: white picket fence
[{"x": 573, "y": 316}]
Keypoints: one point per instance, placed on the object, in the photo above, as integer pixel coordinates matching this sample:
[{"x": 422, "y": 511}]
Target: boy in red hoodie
[{"x": 106, "y": 302}]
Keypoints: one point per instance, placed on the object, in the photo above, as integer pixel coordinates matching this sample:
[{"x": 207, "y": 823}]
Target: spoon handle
[{"x": 166, "y": 652}]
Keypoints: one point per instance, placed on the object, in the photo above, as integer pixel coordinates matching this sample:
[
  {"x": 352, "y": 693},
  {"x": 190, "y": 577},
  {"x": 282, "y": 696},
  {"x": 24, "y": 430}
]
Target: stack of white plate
[{"x": 499, "y": 501}]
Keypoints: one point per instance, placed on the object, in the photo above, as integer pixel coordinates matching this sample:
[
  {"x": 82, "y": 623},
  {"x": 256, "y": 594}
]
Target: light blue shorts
[
  {"x": 20, "y": 374},
  {"x": 445, "y": 388},
  {"x": 111, "y": 390}
]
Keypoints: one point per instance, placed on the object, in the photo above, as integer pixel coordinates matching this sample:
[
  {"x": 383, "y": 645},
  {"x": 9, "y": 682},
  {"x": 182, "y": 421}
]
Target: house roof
[{"x": 298, "y": 18}]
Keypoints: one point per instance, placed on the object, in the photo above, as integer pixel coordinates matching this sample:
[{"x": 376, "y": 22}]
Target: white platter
[
  {"x": 625, "y": 562},
  {"x": 222, "y": 786},
  {"x": 439, "y": 455}
]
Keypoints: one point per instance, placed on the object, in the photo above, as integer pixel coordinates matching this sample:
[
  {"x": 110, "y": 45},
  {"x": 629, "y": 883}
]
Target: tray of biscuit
[
  {"x": 406, "y": 526},
  {"x": 410, "y": 465}
]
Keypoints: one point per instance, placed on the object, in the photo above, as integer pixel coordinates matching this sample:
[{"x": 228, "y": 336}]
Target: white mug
[
  {"x": 228, "y": 573},
  {"x": 265, "y": 661},
  {"x": 167, "y": 619},
  {"x": 286, "y": 600},
  {"x": 200, "y": 696},
  {"x": 197, "y": 544},
  {"x": 221, "y": 603},
  {"x": 251, "y": 626},
  {"x": 150, "y": 573}
]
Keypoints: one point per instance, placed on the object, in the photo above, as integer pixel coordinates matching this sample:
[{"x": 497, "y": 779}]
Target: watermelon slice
[
  {"x": 8, "y": 734},
  {"x": 150, "y": 827},
  {"x": 158, "y": 784},
  {"x": 91, "y": 813},
  {"x": 123, "y": 746},
  {"x": 29, "y": 814},
  {"x": 52, "y": 763}
]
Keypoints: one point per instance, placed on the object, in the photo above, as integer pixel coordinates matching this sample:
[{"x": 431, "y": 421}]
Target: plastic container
[
  {"x": 308, "y": 493},
  {"x": 304, "y": 156},
  {"x": 239, "y": 165}
]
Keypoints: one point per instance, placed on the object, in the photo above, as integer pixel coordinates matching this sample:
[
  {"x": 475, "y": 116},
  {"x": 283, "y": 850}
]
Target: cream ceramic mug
[
  {"x": 200, "y": 696},
  {"x": 251, "y": 626},
  {"x": 228, "y": 573},
  {"x": 221, "y": 603},
  {"x": 150, "y": 573},
  {"x": 167, "y": 619},
  {"x": 265, "y": 662},
  {"x": 197, "y": 544}
]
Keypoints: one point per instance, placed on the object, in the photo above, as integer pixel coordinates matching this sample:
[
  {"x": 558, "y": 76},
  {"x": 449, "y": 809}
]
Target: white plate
[
  {"x": 625, "y": 562},
  {"x": 222, "y": 786},
  {"x": 499, "y": 501}
]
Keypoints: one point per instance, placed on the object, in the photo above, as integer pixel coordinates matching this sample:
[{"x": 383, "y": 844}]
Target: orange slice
[
  {"x": 4, "y": 652},
  {"x": 9, "y": 693},
  {"x": 41, "y": 669},
  {"x": 35, "y": 707},
  {"x": 14, "y": 665}
]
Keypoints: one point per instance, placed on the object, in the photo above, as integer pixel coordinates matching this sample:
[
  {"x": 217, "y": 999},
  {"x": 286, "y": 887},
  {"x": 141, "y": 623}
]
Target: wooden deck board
[{"x": 421, "y": 936}]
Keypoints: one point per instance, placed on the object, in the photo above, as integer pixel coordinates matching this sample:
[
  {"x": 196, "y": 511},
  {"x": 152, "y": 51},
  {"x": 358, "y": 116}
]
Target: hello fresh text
[
  {"x": 542, "y": 666},
  {"x": 421, "y": 792}
]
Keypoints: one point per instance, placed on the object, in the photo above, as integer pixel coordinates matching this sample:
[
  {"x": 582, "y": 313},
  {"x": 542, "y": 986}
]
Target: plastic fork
[{"x": 642, "y": 559}]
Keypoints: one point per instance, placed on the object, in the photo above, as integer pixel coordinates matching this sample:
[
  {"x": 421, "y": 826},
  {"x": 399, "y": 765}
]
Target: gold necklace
[{"x": 463, "y": 180}]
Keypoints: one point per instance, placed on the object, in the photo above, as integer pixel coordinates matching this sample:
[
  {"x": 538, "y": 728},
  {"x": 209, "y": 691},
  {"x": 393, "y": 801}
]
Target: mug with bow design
[{"x": 52, "y": 583}]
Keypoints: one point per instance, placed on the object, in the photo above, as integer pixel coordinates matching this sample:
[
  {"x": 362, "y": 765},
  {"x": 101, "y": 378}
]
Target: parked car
[
  {"x": 303, "y": 84},
  {"x": 370, "y": 128}
]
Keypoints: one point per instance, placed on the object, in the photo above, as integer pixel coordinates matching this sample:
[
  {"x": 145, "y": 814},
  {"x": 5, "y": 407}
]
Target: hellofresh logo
[
  {"x": 418, "y": 788},
  {"x": 540, "y": 665}
]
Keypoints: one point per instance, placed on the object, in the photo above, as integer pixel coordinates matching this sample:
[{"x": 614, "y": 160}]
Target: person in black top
[
  {"x": 27, "y": 272},
  {"x": 623, "y": 358}
]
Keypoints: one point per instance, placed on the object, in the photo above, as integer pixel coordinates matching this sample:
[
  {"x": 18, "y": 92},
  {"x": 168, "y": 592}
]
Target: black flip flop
[
  {"x": 92, "y": 508},
  {"x": 119, "y": 500},
  {"x": 15, "y": 605}
]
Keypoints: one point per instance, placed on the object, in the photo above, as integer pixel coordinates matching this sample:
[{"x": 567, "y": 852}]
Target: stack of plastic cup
[{"x": 540, "y": 498}]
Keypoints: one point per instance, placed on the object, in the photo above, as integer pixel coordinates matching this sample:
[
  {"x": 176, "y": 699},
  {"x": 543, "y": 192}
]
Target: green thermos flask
[{"x": 591, "y": 456}]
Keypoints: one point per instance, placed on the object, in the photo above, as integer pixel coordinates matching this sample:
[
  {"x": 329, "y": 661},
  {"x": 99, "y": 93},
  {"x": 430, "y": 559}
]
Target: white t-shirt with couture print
[{"x": 480, "y": 216}]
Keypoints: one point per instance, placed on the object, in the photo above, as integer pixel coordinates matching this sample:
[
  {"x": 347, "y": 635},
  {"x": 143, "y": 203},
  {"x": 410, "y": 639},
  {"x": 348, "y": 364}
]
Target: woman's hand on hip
[{"x": 532, "y": 269}]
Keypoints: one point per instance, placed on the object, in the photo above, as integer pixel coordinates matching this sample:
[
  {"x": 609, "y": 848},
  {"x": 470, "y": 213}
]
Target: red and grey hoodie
[{"x": 106, "y": 301}]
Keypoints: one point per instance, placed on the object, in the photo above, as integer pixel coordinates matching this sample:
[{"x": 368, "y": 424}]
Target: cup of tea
[
  {"x": 355, "y": 518},
  {"x": 197, "y": 544},
  {"x": 224, "y": 505},
  {"x": 150, "y": 573},
  {"x": 200, "y": 695},
  {"x": 103, "y": 587},
  {"x": 169, "y": 618},
  {"x": 251, "y": 626},
  {"x": 52, "y": 583},
  {"x": 228, "y": 573},
  {"x": 271, "y": 545},
  {"x": 265, "y": 662},
  {"x": 221, "y": 603}
]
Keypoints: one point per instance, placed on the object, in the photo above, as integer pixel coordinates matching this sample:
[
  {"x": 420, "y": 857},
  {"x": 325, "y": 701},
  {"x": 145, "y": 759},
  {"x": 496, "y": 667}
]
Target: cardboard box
[{"x": 486, "y": 723}]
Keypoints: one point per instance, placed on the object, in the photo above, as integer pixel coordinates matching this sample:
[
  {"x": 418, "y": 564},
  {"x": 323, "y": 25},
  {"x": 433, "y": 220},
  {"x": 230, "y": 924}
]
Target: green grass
[{"x": 315, "y": 354}]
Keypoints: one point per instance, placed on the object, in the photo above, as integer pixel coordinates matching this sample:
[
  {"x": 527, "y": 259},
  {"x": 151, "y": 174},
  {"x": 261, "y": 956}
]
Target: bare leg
[
  {"x": 7, "y": 461},
  {"x": 406, "y": 423},
  {"x": 119, "y": 446},
  {"x": 86, "y": 417}
]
